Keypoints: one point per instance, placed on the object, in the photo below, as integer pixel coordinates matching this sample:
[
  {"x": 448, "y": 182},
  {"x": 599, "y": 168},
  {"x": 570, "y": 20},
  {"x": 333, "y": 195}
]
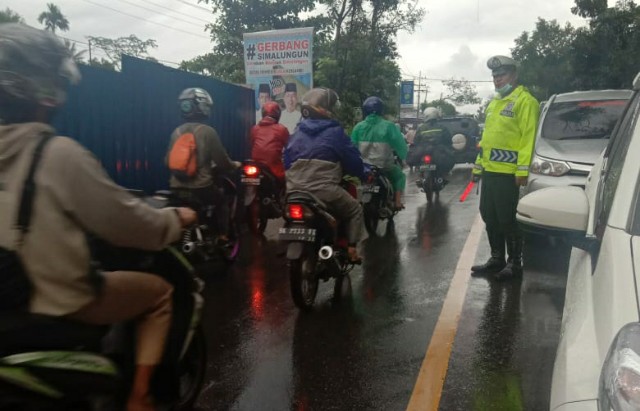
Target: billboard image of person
[
  {"x": 291, "y": 113},
  {"x": 264, "y": 95}
]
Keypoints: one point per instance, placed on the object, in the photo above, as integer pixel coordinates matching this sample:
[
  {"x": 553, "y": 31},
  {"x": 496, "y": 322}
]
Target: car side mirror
[{"x": 559, "y": 212}]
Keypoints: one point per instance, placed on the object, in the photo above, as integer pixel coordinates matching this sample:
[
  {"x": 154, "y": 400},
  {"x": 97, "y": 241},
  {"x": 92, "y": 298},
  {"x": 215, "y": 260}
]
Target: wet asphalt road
[{"x": 366, "y": 353}]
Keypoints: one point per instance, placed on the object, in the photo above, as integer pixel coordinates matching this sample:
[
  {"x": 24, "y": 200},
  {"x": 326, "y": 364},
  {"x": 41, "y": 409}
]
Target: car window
[
  {"x": 615, "y": 156},
  {"x": 582, "y": 119}
]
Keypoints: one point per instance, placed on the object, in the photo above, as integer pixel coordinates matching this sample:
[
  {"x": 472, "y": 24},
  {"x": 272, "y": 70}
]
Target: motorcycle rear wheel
[
  {"x": 192, "y": 372},
  {"x": 256, "y": 221},
  {"x": 304, "y": 279},
  {"x": 429, "y": 189}
]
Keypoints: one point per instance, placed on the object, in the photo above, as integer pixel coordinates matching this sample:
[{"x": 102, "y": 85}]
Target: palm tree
[
  {"x": 77, "y": 56},
  {"x": 53, "y": 19}
]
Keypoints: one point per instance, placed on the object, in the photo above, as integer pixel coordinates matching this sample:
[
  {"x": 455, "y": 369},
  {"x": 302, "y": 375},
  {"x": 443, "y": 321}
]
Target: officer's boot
[
  {"x": 496, "y": 262},
  {"x": 513, "y": 269}
]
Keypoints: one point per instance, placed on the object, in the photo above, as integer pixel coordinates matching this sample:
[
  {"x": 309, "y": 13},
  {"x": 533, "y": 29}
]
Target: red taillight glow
[
  {"x": 427, "y": 159},
  {"x": 296, "y": 212},
  {"x": 250, "y": 170}
]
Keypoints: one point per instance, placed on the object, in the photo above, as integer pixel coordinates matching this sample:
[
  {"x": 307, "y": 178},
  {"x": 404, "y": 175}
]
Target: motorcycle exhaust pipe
[
  {"x": 189, "y": 247},
  {"x": 325, "y": 253}
]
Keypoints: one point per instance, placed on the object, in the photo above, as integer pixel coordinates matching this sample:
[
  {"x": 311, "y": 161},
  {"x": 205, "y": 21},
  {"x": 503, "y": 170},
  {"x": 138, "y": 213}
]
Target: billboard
[
  {"x": 406, "y": 94},
  {"x": 278, "y": 66}
]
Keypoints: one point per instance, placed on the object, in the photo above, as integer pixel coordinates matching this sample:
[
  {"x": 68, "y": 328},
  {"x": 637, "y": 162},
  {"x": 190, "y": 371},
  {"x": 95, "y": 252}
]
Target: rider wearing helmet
[
  {"x": 317, "y": 156},
  {"x": 212, "y": 160},
  {"x": 378, "y": 139},
  {"x": 434, "y": 139},
  {"x": 73, "y": 197},
  {"x": 268, "y": 140}
]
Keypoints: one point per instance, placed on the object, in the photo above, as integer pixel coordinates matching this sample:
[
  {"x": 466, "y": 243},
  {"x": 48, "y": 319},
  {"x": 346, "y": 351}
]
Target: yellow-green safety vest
[{"x": 509, "y": 134}]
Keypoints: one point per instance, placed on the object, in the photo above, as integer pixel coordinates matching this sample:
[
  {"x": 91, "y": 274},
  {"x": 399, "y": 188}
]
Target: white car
[{"x": 597, "y": 365}]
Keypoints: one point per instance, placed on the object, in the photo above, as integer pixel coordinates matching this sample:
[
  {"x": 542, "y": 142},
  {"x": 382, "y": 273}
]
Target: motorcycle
[
  {"x": 430, "y": 181},
  {"x": 262, "y": 197},
  {"x": 52, "y": 363},
  {"x": 200, "y": 243},
  {"x": 316, "y": 249},
  {"x": 377, "y": 202}
]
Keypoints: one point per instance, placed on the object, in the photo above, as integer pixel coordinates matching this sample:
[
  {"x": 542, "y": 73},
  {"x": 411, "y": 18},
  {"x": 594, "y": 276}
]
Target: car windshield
[{"x": 582, "y": 119}]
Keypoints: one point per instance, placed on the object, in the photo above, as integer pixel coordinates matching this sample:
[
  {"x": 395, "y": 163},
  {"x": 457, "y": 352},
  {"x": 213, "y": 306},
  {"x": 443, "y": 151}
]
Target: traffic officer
[{"x": 503, "y": 163}]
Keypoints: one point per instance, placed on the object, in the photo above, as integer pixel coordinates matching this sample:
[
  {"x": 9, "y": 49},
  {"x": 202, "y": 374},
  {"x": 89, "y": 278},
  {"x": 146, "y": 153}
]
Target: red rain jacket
[{"x": 268, "y": 140}]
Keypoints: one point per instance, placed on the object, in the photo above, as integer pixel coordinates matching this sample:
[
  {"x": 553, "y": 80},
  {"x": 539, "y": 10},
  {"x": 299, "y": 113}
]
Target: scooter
[
  {"x": 430, "y": 181},
  {"x": 316, "y": 249},
  {"x": 377, "y": 202},
  {"x": 51, "y": 363},
  {"x": 262, "y": 198}
]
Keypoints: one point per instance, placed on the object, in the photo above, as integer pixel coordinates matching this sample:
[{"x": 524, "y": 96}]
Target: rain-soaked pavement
[{"x": 366, "y": 354}]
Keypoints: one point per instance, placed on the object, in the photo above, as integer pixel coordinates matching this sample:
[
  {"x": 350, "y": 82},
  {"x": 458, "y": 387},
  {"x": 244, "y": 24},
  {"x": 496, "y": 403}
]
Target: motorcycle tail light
[
  {"x": 427, "y": 159},
  {"x": 371, "y": 178},
  {"x": 295, "y": 211},
  {"x": 250, "y": 171}
]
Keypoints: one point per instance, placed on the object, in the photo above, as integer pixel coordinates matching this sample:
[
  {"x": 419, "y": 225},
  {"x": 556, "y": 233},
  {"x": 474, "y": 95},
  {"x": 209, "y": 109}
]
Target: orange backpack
[{"x": 182, "y": 160}]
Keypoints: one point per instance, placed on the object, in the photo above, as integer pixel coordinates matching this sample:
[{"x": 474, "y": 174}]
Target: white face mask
[{"x": 504, "y": 90}]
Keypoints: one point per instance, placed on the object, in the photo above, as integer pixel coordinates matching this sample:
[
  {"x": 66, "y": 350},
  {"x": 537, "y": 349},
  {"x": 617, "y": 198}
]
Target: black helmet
[
  {"x": 319, "y": 103},
  {"x": 35, "y": 67},
  {"x": 195, "y": 103},
  {"x": 372, "y": 105}
]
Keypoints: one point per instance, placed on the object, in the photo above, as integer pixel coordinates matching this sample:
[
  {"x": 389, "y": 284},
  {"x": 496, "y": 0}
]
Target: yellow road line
[{"x": 428, "y": 389}]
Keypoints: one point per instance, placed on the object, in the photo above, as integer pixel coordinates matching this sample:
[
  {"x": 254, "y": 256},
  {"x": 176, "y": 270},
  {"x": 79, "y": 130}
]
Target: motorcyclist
[
  {"x": 212, "y": 160},
  {"x": 317, "y": 156},
  {"x": 268, "y": 140},
  {"x": 74, "y": 197},
  {"x": 433, "y": 139},
  {"x": 378, "y": 139}
]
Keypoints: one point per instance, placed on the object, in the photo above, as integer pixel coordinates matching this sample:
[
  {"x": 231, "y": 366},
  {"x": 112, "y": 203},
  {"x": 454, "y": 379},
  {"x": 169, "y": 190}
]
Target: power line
[
  {"x": 194, "y": 6},
  {"x": 143, "y": 19},
  {"x": 444, "y": 79},
  {"x": 164, "y": 14},
  {"x": 177, "y": 12}
]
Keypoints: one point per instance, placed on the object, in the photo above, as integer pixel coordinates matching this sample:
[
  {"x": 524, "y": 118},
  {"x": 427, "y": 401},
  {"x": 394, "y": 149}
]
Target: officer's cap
[{"x": 501, "y": 64}]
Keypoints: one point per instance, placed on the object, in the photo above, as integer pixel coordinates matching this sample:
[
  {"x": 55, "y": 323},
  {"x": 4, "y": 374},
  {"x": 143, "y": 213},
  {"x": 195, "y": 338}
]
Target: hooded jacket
[
  {"x": 377, "y": 139},
  {"x": 73, "y": 196},
  {"x": 268, "y": 140},
  {"x": 319, "y": 153}
]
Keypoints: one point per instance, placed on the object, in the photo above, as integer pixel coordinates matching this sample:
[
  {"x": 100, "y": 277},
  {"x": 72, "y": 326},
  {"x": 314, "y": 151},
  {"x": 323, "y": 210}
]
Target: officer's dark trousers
[{"x": 498, "y": 206}]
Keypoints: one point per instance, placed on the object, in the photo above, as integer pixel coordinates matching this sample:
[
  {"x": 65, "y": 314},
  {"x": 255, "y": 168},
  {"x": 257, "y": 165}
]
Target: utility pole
[
  {"x": 421, "y": 89},
  {"x": 89, "y": 51}
]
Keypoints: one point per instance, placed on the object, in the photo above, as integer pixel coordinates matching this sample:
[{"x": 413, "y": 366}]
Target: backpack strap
[{"x": 29, "y": 188}]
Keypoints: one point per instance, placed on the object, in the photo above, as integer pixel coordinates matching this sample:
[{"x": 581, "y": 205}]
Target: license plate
[
  {"x": 297, "y": 234},
  {"x": 250, "y": 181},
  {"x": 428, "y": 167},
  {"x": 370, "y": 188}
]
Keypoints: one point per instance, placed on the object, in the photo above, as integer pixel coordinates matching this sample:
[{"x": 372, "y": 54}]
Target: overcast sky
[{"x": 455, "y": 38}]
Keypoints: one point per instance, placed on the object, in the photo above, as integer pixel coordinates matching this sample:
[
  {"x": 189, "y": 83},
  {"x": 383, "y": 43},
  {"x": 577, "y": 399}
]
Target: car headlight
[
  {"x": 620, "y": 375},
  {"x": 548, "y": 167}
]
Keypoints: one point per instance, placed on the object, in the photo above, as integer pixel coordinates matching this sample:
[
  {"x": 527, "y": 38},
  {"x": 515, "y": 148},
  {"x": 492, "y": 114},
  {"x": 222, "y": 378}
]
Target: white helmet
[{"x": 431, "y": 113}]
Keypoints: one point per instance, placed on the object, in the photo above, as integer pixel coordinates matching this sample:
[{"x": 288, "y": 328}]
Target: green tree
[
  {"x": 589, "y": 8},
  {"x": 460, "y": 92},
  {"x": 10, "y": 16},
  {"x": 545, "y": 57},
  {"x": 115, "y": 48},
  {"x": 359, "y": 61},
  {"x": 609, "y": 46},
  {"x": 53, "y": 19}
]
